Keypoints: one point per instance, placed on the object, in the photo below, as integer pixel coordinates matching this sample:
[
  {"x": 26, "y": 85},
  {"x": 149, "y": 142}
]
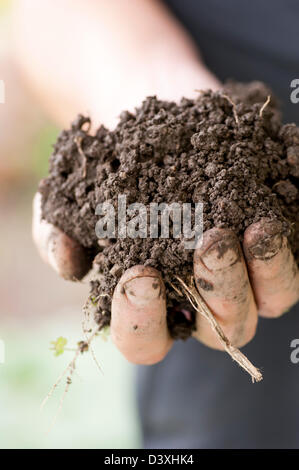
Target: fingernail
[
  {"x": 267, "y": 247},
  {"x": 221, "y": 254},
  {"x": 143, "y": 290}
]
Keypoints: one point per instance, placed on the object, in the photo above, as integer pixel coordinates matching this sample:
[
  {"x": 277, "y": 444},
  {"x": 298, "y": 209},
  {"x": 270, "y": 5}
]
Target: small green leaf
[
  {"x": 93, "y": 300},
  {"x": 59, "y": 345}
]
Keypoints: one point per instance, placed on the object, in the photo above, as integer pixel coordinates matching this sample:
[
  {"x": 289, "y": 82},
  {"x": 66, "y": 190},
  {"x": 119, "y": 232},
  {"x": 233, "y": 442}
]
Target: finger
[
  {"x": 138, "y": 321},
  {"x": 222, "y": 280},
  {"x": 65, "y": 255},
  {"x": 273, "y": 271}
]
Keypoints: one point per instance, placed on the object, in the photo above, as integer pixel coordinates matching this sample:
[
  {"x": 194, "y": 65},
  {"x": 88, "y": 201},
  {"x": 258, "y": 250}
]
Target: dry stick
[
  {"x": 201, "y": 307},
  {"x": 234, "y": 107},
  {"x": 265, "y": 105}
]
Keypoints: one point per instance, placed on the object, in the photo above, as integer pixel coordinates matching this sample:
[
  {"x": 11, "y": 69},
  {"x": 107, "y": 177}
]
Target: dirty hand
[{"x": 238, "y": 283}]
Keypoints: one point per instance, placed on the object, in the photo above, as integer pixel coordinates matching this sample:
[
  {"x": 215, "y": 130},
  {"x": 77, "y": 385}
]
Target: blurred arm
[{"x": 102, "y": 57}]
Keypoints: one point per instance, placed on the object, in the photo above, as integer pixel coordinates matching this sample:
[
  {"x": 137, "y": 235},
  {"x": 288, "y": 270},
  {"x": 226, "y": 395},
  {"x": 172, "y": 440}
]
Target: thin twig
[{"x": 201, "y": 307}]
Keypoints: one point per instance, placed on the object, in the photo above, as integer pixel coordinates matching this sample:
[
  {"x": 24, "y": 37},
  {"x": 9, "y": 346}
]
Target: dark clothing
[
  {"x": 247, "y": 40},
  {"x": 197, "y": 397}
]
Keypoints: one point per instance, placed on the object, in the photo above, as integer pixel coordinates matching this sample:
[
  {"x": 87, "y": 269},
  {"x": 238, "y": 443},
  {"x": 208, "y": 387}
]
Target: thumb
[{"x": 65, "y": 255}]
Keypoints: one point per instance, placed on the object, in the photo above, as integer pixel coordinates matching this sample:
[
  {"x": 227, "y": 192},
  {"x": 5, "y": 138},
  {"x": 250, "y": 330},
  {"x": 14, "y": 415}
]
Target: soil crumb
[{"x": 227, "y": 149}]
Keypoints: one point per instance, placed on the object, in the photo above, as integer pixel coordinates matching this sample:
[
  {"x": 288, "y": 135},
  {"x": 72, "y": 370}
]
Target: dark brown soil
[{"x": 224, "y": 149}]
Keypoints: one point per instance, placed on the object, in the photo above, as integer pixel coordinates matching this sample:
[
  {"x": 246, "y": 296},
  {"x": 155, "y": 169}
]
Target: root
[
  {"x": 265, "y": 105},
  {"x": 54, "y": 387},
  {"x": 233, "y": 106},
  {"x": 71, "y": 369},
  {"x": 202, "y": 308},
  {"x": 180, "y": 293},
  {"x": 78, "y": 141},
  {"x": 86, "y": 329},
  {"x": 83, "y": 346}
]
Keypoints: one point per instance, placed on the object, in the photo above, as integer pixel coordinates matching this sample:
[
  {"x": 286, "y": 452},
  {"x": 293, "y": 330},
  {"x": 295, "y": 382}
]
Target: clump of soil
[{"x": 226, "y": 149}]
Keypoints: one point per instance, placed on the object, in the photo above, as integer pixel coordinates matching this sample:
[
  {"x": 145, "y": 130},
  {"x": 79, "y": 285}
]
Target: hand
[
  {"x": 238, "y": 283},
  {"x": 63, "y": 254},
  {"x": 125, "y": 51},
  {"x": 112, "y": 65}
]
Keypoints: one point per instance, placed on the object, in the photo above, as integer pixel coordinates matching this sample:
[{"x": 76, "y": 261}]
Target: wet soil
[{"x": 226, "y": 149}]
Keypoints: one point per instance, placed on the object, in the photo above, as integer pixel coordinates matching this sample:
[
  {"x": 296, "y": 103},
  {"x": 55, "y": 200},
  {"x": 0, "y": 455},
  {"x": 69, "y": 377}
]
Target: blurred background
[{"x": 36, "y": 306}]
